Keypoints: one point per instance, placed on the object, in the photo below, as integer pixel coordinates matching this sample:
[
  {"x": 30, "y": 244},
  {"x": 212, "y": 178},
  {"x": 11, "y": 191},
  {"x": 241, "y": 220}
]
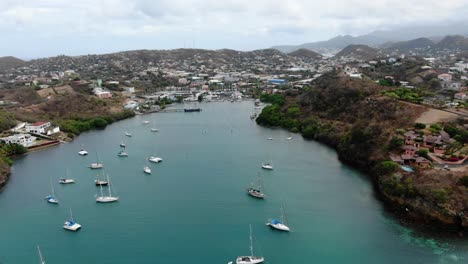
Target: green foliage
[
  {"x": 423, "y": 153},
  {"x": 294, "y": 111},
  {"x": 419, "y": 126},
  {"x": 13, "y": 149},
  {"x": 400, "y": 188},
  {"x": 406, "y": 94},
  {"x": 440, "y": 195},
  {"x": 459, "y": 134},
  {"x": 77, "y": 126},
  {"x": 277, "y": 99},
  {"x": 386, "y": 167},
  {"x": 435, "y": 128},
  {"x": 463, "y": 181},
  {"x": 7, "y": 120},
  {"x": 386, "y": 82},
  {"x": 395, "y": 143},
  {"x": 98, "y": 123},
  {"x": 179, "y": 99}
]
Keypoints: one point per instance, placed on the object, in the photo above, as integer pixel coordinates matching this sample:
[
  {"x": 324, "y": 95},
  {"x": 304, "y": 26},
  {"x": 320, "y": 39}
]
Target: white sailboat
[
  {"x": 147, "y": 170},
  {"x": 279, "y": 224},
  {"x": 256, "y": 189},
  {"x": 122, "y": 153},
  {"x": 41, "y": 258},
  {"x": 249, "y": 259},
  {"x": 66, "y": 180},
  {"x": 155, "y": 159},
  {"x": 267, "y": 166},
  {"x": 96, "y": 165},
  {"x": 109, "y": 198},
  {"x": 70, "y": 224},
  {"x": 51, "y": 198}
]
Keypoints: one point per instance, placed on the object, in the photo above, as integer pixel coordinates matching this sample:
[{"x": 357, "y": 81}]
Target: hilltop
[
  {"x": 359, "y": 52},
  {"x": 10, "y": 62},
  {"x": 305, "y": 53}
]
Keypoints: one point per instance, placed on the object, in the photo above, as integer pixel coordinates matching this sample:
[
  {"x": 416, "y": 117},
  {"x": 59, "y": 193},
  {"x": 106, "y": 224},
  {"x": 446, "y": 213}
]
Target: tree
[{"x": 419, "y": 126}]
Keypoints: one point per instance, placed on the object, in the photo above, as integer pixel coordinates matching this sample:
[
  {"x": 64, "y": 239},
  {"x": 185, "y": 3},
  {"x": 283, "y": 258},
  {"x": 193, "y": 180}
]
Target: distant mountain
[
  {"x": 453, "y": 43},
  {"x": 333, "y": 45},
  {"x": 359, "y": 52},
  {"x": 305, "y": 53},
  {"x": 9, "y": 62},
  {"x": 381, "y": 37},
  {"x": 419, "y": 44}
]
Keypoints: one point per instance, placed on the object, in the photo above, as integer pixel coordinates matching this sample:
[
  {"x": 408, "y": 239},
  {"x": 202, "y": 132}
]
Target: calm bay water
[{"x": 194, "y": 209}]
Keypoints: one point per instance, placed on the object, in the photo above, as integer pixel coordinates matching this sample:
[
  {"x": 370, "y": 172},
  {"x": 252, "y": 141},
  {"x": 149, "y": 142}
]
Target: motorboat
[
  {"x": 267, "y": 166},
  {"x": 128, "y": 134},
  {"x": 147, "y": 170},
  {"x": 82, "y": 152},
  {"x": 270, "y": 138},
  {"x": 70, "y": 224},
  {"x": 145, "y": 122},
  {"x": 66, "y": 181},
  {"x": 154, "y": 130},
  {"x": 155, "y": 159},
  {"x": 122, "y": 145},
  {"x": 289, "y": 138}
]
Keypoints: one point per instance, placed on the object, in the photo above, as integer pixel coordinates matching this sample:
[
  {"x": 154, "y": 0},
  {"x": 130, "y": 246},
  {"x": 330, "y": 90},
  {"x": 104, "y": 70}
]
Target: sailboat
[
  {"x": 51, "y": 198},
  {"x": 147, "y": 170},
  {"x": 70, "y": 224},
  {"x": 100, "y": 182},
  {"x": 96, "y": 165},
  {"x": 256, "y": 191},
  {"x": 40, "y": 255},
  {"x": 122, "y": 144},
  {"x": 267, "y": 166},
  {"x": 279, "y": 224},
  {"x": 249, "y": 259},
  {"x": 155, "y": 159},
  {"x": 109, "y": 198},
  {"x": 128, "y": 134},
  {"x": 122, "y": 153},
  {"x": 66, "y": 180}
]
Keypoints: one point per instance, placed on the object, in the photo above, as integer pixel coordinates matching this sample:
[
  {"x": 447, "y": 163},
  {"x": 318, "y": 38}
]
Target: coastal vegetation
[{"x": 363, "y": 124}]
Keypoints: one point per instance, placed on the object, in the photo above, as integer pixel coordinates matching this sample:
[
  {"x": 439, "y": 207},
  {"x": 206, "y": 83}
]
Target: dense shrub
[
  {"x": 463, "y": 181},
  {"x": 386, "y": 167},
  {"x": 419, "y": 126},
  {"x": 277, "y": 99}
]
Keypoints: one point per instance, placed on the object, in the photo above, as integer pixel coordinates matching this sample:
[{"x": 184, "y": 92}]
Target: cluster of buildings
[{"x": 26, "y": 134}]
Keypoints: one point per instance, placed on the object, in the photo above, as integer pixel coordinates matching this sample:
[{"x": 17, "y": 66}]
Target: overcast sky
[{"x": 40, "y": 28}]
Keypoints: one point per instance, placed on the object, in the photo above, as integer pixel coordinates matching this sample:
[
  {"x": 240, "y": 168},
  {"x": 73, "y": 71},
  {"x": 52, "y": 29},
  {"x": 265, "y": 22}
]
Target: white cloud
[{"x": 242, "y": 23}]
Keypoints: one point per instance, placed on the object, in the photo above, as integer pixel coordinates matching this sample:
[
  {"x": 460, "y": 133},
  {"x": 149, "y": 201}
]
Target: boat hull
[
  {"x": 249, "y": 260},
  {"x": 279, "y": 226},
  {"x": 106, "y": 199},
  {"x": 255, "y": 193},
  {"x": 71, "y": 227}
]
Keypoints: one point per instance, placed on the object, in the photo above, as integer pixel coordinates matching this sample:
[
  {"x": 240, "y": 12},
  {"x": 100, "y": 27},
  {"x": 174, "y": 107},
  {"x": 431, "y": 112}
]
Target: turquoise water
[{"x": 194, "y": 209}]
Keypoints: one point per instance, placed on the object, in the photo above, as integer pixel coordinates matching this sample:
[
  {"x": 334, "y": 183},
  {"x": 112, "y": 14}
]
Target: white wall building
[
  {"x": 38, "y": 127},
  {"x": 23, "y": 139}
]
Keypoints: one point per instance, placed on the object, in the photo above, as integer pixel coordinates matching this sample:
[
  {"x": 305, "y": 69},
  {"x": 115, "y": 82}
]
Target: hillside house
[
  {"x": 25, "y": 140},
  {"x": 38, "y": 127}
]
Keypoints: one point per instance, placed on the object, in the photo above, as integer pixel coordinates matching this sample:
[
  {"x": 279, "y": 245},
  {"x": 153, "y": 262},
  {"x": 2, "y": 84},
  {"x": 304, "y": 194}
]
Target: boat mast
[
  {"x": 71, "y": 215},
  {"x": 251, "y": 241},
  {"x": 52, "y": 187},
  {"x": 108, "y": 182},
  {"x": 284, "y": 219},
  {"x": 100, "y": 185},
  {"x": 40, "y": 255}
]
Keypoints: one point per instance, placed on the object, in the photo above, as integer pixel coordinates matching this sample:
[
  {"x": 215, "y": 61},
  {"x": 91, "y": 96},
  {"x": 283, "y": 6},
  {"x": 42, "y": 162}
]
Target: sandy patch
[{"x": 432, "y": 116}]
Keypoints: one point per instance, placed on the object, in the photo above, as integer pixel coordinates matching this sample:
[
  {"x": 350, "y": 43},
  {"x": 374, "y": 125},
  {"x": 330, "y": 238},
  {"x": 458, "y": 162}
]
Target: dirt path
[{"x": 432, "y": 116}]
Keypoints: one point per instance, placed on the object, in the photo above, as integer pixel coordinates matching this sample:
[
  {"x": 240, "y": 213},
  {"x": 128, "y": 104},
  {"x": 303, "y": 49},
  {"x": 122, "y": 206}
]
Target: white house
[
  {"x": 445, "y": 77},
  {"x": 23, "y": 139},
  {"x": 461, "y": 96},
  {"x": 38, "y": 127}
]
